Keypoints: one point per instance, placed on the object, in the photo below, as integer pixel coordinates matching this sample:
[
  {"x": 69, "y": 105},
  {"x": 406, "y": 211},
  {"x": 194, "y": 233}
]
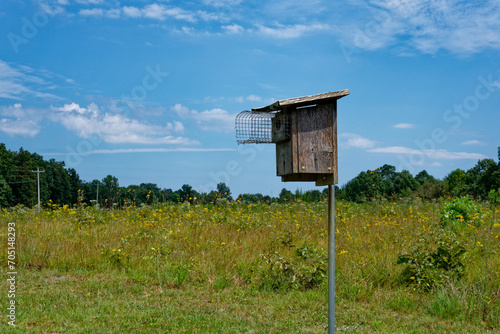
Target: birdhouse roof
[{"x": 303, "y": 101}]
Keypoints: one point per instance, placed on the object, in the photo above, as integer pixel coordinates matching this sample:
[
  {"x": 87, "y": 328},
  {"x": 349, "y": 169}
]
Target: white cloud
[
  {"x": 16, "y": 83},
  {"x": 233, "y": 29},
  {"x": 432, "y": 154},
  {"x": 181, "y": 110},
  {"x": 207, "y": 16},
  {"x": 161, "y": 12},
  {"x": 131, "y": 12},
  {"x": 75, "y": 107},
  {"x": 52, "y": 8},
  {"x": 113, "y": 13},
  {"x": 222, "y": 3},
  {"x": 90, "y": 121},
  {"x": 428, "y": 26},
  {"x": 87, "y": 2},
  {"x": 212, "y": 120},
  {"x": 291, "y": 31},
  {"x": 354, "y": 140},
  {"x": 403, "y": 126},
  {"x": 147, "y": 150},
  {"x": 474, "y": 142},
  {"x": 153, "y": 11},
  {"x": 18, "y": 121},
  {"x": 19, "y": 127},
  {"x": 117, "y": 128},
  {"x": 254, "y": 98},
  {"x": 97, "y": 12}
]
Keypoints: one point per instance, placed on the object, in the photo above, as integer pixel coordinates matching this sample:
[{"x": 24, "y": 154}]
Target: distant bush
[
  {"x": 461, "y": 212},
  {"x": 426, "y": 268},
  {"x": 494, "y": 196},
  {"x": 303, "y": 269}
]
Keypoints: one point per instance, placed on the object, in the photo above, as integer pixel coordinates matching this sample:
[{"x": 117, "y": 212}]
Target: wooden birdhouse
[{"x": 304, "y": 130}]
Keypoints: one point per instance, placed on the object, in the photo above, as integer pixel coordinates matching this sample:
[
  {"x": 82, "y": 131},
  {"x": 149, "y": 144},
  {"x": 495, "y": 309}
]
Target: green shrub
[
  {"x": 425, "y": 269},
  {"x": 306, "y": 269},
  {"x": 494, "y": 196},
  {"x": 460, "y": 212},
  {"x": 90, "y": 215}
]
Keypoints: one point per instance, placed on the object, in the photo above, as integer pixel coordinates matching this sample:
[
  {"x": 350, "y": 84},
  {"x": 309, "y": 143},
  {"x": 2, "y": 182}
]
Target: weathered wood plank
[
  {"x": 294, "y": 139},
  {"x": 335, "y": 145},
  {"x": 313, "y": 99},
  {"x": 315, "y": 139},
  {"x": 284, "y": 158},
  {"x": 326, "y": 179},
  {"x": 299, "y": 177},
  {"x": 319, "y": 179},
  {"x": 304, "y": 100}
]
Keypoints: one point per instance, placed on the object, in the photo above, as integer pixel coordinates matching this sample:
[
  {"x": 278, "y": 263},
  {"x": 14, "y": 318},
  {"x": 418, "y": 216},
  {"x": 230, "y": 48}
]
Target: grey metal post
[
  {"x": 38, "y": 171},
  {"x": 331, "y": 259},
  {"x": 38, "y": 181}
]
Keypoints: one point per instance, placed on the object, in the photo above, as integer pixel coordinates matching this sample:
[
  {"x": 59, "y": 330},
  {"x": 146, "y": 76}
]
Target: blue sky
[{"x": 148, "y": 90}]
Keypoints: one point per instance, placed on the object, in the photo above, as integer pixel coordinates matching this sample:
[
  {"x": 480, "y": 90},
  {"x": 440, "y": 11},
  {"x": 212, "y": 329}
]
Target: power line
[
  {"x": 20, "y": 182},
  {"x": 71, "y": 192},
  {"x": 15, "y": 169}
]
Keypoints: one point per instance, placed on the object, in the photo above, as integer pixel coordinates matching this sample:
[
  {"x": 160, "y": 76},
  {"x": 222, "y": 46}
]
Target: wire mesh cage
[{"x": 254, "y": 127}]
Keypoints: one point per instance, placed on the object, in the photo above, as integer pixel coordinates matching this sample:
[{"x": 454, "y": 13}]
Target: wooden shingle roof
[{"x": 303, "y": 101}]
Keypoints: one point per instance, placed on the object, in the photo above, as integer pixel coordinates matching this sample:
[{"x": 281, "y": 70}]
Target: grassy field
[{"x": 239, "y": 268}]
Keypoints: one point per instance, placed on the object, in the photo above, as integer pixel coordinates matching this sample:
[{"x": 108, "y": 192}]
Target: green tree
[
  {"x": 312, "y": 196},
  {"x": 174, "y": 196},
  {"x": 456, "y": 182},
  {"x": 428, "y": 186},
  {"x": 404, "y": 183},
  {"x": 187, "y": 193},
  {"x": 6, "y": 174},
  {"x": 251, "y": 198},
  {"x": 5, "y": 193},
  {"x": 24, "y": 190},
  {"x": 424, "y": 177},
  {"x": 482, "y": 178},
  {"x": 366, "y": 186},
  {"x": 90, "y": 191},
  {"x": 110, "y": 190},
  {"x": 223, "y": 190},
  {"x": 285, "y": 196},
  {"x": 75, "y": 185},
  {"x": 58, "y": 182},
  {"x": 148, "y": 193}
]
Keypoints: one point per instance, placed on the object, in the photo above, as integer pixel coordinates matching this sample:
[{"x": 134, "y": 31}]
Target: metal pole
[
  {"x": 331, "y": 259},
  {"x": 38, "y": 171},
  {"x": 38, "y": 181}
]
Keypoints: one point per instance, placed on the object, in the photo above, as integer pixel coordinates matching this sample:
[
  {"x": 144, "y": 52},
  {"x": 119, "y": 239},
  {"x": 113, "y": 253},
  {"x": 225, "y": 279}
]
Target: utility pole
[
  {"x": 97, "y": 198},
  {"x": 38, "y": 171}
]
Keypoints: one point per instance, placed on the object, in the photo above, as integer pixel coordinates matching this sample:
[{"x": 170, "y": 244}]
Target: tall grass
[{"x": 260, "y": 248}]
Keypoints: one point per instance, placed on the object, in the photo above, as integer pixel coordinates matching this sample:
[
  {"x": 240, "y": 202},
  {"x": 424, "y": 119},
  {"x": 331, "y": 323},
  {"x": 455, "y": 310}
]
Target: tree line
[
  {"x": 481, "y": 182},
  {"x": 63, "y": 186}
]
